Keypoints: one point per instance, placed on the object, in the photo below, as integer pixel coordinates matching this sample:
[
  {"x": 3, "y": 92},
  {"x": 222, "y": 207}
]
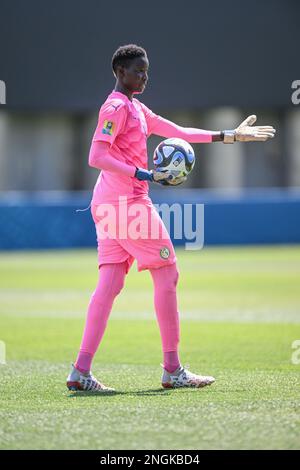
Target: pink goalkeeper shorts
[{"x": 132, "y": 230}]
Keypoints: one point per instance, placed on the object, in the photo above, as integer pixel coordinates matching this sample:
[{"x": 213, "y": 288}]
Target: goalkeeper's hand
[
  {"x": 246, "y": 133},
  {"x": 153, "y": 175}
]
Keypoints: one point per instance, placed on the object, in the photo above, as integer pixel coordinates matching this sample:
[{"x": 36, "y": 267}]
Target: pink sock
[
  {"x": 171, "y": 360},
  {"x": 110, "y": 283},
  {"x": 83, "y": 362},
  {"x": 165, "y": 300}
]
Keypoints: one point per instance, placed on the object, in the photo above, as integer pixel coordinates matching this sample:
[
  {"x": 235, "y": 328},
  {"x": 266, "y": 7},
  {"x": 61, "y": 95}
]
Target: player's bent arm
[
  {"x": 155, "y": 176},
  {"x": 100, "y": 158},
  {"x": 243, "y": 133}
]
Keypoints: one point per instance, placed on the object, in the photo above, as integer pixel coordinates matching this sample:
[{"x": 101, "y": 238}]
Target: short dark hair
[{"x": 124, "y": 54}]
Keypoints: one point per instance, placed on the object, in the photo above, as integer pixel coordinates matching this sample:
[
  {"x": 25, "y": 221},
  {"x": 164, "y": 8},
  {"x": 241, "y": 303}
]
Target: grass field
[{"x": 240, "y": 313}]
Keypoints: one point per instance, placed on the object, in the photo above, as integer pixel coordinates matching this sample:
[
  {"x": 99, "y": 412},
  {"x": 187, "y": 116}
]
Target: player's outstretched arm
[{"x": 246, "y": 132}]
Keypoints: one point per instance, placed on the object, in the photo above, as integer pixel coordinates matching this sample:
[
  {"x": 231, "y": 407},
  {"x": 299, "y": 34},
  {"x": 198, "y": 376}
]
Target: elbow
[
  {"x": 92, "y": 157},
  {"x": 92, "y": 161},
  {"x": 97, "y": 151}
]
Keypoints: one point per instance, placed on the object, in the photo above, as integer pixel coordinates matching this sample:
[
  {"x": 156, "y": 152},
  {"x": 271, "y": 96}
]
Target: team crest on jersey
[
  {"x": 164, "y": 253},
  {"x": 108, "y": 127}
]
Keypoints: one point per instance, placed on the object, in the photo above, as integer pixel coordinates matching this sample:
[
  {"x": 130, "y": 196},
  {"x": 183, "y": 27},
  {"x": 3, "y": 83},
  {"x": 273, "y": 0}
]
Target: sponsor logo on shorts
[
  {"x": 108, "y": 127},
  {"x": 165, "y": 253}
]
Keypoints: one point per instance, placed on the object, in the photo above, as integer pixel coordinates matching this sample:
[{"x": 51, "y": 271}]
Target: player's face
[{"x": 135, "y": 77}]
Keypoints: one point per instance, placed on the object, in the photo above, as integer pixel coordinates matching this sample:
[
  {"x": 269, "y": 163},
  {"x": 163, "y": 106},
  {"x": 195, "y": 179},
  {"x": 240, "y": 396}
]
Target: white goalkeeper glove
[{"x": 245, "y": 133}]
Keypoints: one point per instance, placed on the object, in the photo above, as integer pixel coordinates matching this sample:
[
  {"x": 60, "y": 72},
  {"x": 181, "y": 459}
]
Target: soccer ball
[{"x": 175, "y": 156}]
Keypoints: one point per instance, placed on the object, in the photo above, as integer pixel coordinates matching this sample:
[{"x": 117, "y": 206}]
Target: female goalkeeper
[{"x": 119, "y": 149}]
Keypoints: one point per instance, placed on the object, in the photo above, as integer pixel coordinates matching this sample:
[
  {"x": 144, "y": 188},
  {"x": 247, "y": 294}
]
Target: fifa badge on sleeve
[{"x": 108, "y": 127}]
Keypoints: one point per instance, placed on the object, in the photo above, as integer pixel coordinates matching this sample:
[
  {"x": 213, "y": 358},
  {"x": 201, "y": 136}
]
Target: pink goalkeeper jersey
[
  {"x": 123, "y": 124},
  {"x": 126, "y": 125}
]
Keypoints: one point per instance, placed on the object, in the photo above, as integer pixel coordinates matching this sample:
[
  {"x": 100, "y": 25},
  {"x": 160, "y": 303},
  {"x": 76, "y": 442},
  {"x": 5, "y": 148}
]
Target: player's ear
[{"x": 120, "y": 71}]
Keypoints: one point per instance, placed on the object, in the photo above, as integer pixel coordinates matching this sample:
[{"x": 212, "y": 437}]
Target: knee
[
  {"x": 111, "y": 280},
  {"x": 117, "y": 286},
  {"x": 108, "y": 290},
  {"x": 175, "y": 274},
  {"x": 170, "y": 278}
]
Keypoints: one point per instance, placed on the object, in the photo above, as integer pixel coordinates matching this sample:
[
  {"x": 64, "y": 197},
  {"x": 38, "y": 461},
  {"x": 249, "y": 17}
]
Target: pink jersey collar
[{"x": 121, "y": 95}]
